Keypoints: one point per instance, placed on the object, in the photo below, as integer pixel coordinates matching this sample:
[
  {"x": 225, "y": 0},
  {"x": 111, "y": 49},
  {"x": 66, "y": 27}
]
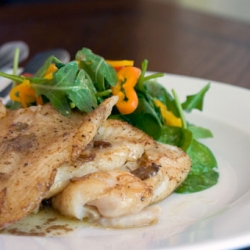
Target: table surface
[{"x": 173, "y": 39}]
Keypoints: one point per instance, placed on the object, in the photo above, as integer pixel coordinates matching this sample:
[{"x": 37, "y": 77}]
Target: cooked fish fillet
[
  {"x": 163, "y": 167},
  {"x": 171, "y": 166},
  {"x": 110, "y": 194},
  {"x": 34, "y": 142},
  {"x": 116, "y": 143},
  {"x": 156, "y": 167}
]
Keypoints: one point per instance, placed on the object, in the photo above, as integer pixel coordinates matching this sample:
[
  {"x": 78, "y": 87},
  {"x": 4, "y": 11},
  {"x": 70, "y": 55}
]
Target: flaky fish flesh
[{"x": 125, "y": 165}]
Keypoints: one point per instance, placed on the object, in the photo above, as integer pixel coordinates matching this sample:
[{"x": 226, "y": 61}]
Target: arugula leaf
[
  {"x": 59, "y": 100},
  {"x": 68, "y": 83},
  {"x": 66, "y": 75},
  {"x": 140, "y": 85},
  {"x": 14, "y": 78},
  {"x": 195, "y": 101},
  {"x": 82, "y": 93},
  {"x": 43, "y": 69},
  {"x": 98, "y": 69},
  {"x": 51, "y": 60}
]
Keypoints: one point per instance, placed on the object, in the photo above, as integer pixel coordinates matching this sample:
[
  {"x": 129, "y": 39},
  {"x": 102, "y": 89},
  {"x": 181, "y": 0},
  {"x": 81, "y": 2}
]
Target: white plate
[{"x": 217, "y": 218}]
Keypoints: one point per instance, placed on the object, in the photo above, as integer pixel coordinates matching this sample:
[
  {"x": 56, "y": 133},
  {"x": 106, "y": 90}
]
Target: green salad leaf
[
  {"x": 176, "y": 136},
  {"x": 195, "y": 101},
  {"x": 200, "y": 132},
  {"x": 146, "y": 118},
  {"x": 102, "y": 74},
  {"x": 156, "y": 90},
  {"x": 69, "y": 85},
  {"x": 87, "y": 81},
  {"x": 40, "y": 72},
  {"x": 204, "y": 172}
]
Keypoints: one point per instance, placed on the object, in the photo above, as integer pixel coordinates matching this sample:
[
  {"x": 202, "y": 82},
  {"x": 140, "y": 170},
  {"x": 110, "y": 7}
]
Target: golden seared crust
[
  {"x": 174, "y": 166},
  {"x": 172, "y": 163},
  {"x": 34, "y": 142},
  {"x": 129, "y": 173},
  {"x": 115, "y": 144}
]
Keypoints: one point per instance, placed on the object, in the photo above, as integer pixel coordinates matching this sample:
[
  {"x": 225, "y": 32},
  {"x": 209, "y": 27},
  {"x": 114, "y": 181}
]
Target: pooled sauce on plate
[{"x": 47, "y": 222}]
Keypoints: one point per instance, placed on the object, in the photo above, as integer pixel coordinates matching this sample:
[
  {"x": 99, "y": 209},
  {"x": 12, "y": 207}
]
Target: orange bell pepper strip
[
  {"x": 169, "y": 117},
  {"x": 120, "y": 63},
  {"x": 124, "y": 89},
  {"x": 49, "y": 72},
  {"x": 117, "y": 65},
  {"x": 25, "y": 94}
]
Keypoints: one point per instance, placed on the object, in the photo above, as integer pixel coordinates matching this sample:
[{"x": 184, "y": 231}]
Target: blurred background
[
  {"x": 233, "y": 9},
  {"x": 202, "y": 38}
]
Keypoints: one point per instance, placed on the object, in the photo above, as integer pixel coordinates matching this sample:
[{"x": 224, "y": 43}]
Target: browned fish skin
[{"x": 34, "y": 142}]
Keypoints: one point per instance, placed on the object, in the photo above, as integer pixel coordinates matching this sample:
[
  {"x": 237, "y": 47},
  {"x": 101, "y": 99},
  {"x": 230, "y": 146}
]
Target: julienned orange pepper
[{"x": 124, "y": 89}]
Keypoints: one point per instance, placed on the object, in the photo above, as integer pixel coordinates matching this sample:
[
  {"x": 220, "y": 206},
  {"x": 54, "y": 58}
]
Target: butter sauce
[{"x": 47, "y": 222}]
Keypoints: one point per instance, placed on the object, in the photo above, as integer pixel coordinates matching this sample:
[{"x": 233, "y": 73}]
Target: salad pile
[{"x": 143, "y": 102}]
